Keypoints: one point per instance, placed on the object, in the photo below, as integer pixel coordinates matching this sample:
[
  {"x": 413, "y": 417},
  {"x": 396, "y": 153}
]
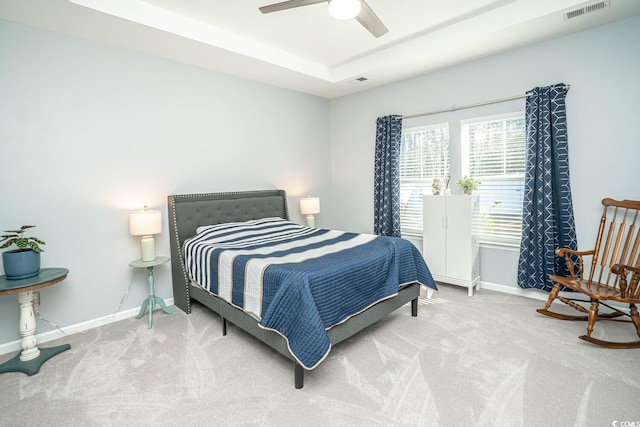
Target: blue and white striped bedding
[{"x": 300, "y": 281}]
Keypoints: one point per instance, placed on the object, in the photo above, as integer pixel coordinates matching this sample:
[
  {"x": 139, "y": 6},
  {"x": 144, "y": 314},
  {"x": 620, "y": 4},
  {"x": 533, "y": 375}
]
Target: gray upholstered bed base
[{"x": 188, "y": 211}]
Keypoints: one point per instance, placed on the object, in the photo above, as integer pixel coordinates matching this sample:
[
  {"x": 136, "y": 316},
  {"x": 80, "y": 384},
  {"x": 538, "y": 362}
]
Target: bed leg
[
  {"x": 224, "y": 326},
  {"x": 414, "y": 307},
  {"x": 298, "y": 373}
]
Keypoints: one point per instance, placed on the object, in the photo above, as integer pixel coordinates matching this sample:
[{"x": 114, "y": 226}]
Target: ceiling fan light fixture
[{"x": 344, "y": 9}]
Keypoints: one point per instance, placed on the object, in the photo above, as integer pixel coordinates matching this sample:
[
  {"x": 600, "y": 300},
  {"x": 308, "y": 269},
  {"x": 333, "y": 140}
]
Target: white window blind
[
  {"x": 424, "y": 155},
  {"x": 494, "y": 154}
]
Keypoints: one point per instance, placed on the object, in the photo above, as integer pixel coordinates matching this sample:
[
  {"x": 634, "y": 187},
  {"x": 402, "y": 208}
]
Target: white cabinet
[{"x": 449, "y": 246}]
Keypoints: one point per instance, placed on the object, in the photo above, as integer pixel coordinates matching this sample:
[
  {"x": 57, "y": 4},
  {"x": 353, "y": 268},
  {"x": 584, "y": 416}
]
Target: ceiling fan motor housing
[{"x": 344, "y": 9}]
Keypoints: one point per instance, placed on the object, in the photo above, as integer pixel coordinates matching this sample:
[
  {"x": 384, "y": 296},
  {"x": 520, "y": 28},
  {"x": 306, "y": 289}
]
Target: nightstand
[{"x": 153, "y": 300}]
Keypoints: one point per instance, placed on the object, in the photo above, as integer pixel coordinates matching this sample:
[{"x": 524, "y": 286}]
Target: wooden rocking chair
[{"x": 613, "y": 274}]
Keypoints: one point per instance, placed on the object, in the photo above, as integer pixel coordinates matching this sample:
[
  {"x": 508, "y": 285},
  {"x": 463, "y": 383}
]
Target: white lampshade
[
  {"x": 344, "y": 9},
  {"x": 146, "y": 223},
  {"x": 310, "y": 205}
]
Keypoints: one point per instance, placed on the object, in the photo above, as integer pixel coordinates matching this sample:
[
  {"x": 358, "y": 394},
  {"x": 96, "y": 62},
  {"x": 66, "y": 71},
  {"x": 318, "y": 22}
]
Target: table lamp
[
  {"x": 146, "y": 223},
  {"x": 310, "y": 206}
]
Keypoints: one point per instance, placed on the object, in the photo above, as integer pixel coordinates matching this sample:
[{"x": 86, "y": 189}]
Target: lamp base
[
  {"x": 311, "y": 221},
  {"x": 148, "y": 247}
]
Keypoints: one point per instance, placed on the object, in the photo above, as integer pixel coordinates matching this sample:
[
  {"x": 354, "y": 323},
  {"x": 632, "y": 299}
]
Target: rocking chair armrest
[
  {"x": 623, "y": 269},
  {"x": 563, "y": 251},
  {"x": 572, "y": 263}
]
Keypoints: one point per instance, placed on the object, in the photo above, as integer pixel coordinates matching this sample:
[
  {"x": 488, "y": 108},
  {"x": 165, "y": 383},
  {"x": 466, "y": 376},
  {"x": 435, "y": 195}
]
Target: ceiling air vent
[
  {"x": 591, "y": 7},
  {"x": 358, "y": 80}
]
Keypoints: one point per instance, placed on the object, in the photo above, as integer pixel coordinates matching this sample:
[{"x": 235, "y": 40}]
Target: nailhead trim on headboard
[{"x": 215, "y": 208}]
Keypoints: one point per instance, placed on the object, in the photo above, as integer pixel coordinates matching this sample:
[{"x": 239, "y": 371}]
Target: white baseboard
[
  {"x": 73, "y": 329},
  {"x": 543, "y": 296},
  {"x": 527, "y": 293}
]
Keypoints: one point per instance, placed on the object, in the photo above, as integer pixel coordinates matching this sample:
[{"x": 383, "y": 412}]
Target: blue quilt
[{"x": 301, "y": 281}]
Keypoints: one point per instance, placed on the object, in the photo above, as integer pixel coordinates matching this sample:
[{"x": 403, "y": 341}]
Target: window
[
  {"x": 493, "y": 152},
  {"x": 424, "y": 155}
]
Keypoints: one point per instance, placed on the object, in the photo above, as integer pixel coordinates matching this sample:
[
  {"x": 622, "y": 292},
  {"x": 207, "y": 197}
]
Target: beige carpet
[{"x": 488, "y": 360}]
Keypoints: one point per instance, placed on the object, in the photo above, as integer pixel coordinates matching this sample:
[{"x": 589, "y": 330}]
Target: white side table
[{"x": 153, "y": 300}]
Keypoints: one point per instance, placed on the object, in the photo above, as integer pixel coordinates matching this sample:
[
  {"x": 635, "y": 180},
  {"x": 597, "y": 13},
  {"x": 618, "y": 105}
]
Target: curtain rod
[{"x": 479, "y": 104}]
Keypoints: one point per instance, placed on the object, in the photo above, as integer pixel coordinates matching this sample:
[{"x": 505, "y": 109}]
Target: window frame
[
  {"x": 424, "y": 182},
  {"x": 516, "y": 178}
]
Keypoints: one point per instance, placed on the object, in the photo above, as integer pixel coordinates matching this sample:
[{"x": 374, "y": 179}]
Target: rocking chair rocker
[{"x": 613, "y": 274}]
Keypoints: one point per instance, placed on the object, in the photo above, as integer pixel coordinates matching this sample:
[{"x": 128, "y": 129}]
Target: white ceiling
[{"x": 303, "y": 48}]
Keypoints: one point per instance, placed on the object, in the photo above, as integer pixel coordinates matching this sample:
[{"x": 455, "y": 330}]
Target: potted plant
[
  {"x": 23, "y": 262},
  {"x": 468, "y": 184}
]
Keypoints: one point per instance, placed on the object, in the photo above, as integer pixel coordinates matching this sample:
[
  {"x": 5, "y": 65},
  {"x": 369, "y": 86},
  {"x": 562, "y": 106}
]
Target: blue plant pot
[{"x": 21, "y": 264}]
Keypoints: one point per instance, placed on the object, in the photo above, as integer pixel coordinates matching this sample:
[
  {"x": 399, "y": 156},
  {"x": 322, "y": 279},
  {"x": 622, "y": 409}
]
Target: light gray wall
[
  {"x": 601, "y": 65},
  {"x": 89, "y": 133}
]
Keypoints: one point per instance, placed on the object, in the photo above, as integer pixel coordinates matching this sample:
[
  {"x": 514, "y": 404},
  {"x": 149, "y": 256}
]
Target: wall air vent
[{"x": 588, "y": 8}]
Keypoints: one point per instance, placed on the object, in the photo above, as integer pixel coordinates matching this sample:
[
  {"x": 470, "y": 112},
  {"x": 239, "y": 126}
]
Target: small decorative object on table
[
  {"x": 447, "y": 190},
  {"x": 468, "y": 184},
  {"x": 23, "y": 262},
  {"x": 435, "y": 186}
]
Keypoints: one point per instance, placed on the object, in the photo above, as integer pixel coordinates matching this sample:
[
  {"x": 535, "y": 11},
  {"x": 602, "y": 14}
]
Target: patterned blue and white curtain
[
  {"x": 547, "y": 216},
  {"x": 387, "y": 176}
]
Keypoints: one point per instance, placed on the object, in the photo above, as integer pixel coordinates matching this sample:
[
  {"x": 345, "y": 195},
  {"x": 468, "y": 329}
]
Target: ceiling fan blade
[
  {"x": 288, "y": 5},
  {"x": 370, "y": 20}
]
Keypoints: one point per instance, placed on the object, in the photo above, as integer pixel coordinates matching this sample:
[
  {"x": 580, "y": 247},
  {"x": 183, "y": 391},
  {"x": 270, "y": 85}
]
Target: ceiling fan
[{"x": 339, "y": 9}]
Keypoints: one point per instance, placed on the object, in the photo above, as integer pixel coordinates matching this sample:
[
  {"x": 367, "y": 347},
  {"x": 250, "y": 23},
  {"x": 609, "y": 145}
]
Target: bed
[{"x": 284, "y": 323}]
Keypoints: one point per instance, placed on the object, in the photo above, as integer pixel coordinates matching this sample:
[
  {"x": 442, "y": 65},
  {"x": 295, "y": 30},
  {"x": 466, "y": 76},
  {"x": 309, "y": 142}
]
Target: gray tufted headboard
[{"x": 189, "y": 211}]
